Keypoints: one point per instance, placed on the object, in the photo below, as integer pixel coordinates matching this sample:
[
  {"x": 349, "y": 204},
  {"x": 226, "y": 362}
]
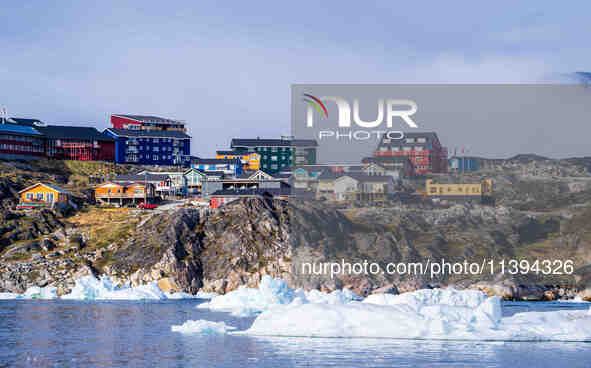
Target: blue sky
[{"x": 226, "y": 67}]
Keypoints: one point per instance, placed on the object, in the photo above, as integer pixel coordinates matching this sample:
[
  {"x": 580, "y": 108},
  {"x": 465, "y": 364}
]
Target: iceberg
[
  {"x": 7, "y": 296},
  {"x": 443, "y": 314},
  {"x": 203, "y": 327},
  {"x": 34, "y": 292},
  {"x": 273, "y": 293},
  {"x": 91, "y": 288}
]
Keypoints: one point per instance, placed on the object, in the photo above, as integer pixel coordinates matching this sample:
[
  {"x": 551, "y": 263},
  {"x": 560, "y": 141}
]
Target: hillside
[{"x": 538, "y": 215}]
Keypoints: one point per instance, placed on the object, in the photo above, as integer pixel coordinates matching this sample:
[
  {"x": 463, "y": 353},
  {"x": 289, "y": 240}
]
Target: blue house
[
  {"x": 464, "y": 164},
  {"x": 231, "y": 167},
  {"x": 151, "y": 147}
]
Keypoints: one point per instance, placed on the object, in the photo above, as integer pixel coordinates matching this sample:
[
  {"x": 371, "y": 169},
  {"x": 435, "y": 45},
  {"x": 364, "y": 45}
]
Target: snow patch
[{"x": 203, "y": 327}]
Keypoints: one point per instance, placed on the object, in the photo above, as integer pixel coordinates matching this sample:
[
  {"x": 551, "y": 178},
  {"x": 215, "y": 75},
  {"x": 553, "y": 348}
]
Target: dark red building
[
  {"x": 423, "y": 149},
  {"x": 77, "y": 143},
  {"x": 20, "y": 142}
]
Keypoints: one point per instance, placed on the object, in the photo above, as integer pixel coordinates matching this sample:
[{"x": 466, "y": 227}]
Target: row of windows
[
  {"x": 39, "y": 196},
  {"x": 459, "y": 189},
  {"x": 404, "y": 149},
  {"x": 273, "y": 149},
  {"x": 154, "y": 140},
  {"x": 134, "y": 158},
  {"x": 409, "y": 140},
  {"x": 17, "y": 147},
  {"x": 19, "y": 138}
]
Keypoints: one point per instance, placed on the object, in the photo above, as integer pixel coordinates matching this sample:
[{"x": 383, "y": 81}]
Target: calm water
[{"x": 115, "y": 334}]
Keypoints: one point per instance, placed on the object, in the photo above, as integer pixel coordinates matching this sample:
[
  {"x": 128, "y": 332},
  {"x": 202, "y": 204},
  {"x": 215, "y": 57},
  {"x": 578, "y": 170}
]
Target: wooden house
[
  {"x": 124, "y": 193},
  {"x": 42, "y": 194}
]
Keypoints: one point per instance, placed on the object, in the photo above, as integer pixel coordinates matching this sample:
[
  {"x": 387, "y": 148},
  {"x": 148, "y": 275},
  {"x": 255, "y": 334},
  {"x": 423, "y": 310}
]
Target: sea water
[{"x": 73, "y": 333}]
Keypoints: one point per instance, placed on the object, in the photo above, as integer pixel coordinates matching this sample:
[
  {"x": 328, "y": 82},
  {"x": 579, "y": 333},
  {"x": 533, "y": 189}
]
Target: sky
[{"x": 227, "y": 67}]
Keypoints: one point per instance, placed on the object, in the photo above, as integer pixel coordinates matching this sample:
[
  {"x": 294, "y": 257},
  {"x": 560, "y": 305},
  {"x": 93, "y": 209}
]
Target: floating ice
[
  {"x": 6, "y": 296},
  {"x": 205, "y": 295},
  {"x": 272, "y": 293},
  {"x": 424, "y": 314},
  {"x": 203, "y": 327},
  {"x": 91, "y": 288},
  {"x": 34, "y": 292}
]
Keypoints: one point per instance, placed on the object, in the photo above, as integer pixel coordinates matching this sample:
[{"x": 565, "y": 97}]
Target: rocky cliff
[{"x": 538, "y": 215}]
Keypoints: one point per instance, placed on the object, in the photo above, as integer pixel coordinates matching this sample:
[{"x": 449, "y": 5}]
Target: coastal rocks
[{"x": 47, "y": 244}]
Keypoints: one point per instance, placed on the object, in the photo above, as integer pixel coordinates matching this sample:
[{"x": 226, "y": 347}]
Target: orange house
[
  {"x": 41, "y": 193},
  {"x": 120, "y": 192}
]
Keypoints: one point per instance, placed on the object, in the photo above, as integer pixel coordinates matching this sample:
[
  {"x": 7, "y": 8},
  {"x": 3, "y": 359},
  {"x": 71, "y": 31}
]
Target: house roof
[
  {"x": 18, "y": 129},
  {"x": 328, "y": 175},
  {"x": 141, "y": 178},
  {"x": 368, "y": 178},
  {"x": 50, "y": 186},
  {"x": 26, "y": 122},
  {"x": 148, "y": 133},
  {"x": 275, "y": 192},
  {"x": 385, "y": 159},
  {"x": 213, "y": 173},
  {"x": 229, "y": 152},
  {"x": 257, "y": 142},
  {"x": 214, "y": 161},
  {"x": 148, "y": 118},
  {"x": 73, "y": 132}
]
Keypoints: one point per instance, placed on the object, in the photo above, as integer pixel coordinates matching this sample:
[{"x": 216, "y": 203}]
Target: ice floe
[
  {"x": 425, "y": 314},
  {"x": 273, "y": 293},
  {"x": 203, "y": 327},
  {"x": 34, "y": 292},
  {"x": 103, "y": 288}
]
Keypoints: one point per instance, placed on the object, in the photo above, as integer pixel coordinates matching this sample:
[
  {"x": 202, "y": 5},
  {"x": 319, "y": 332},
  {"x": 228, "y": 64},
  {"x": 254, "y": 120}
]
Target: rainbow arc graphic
[{"x": 316, "y": 103}]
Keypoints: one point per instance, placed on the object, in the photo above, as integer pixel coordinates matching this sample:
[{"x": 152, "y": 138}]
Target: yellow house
[
  {"x": 461, "y": 191},
  {"x": 249, "y": 160},
  {"x": 44, "y": 193}
]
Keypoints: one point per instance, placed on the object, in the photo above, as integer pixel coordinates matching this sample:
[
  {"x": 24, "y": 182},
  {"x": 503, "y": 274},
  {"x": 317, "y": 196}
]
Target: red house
[
  {"x": 423, "y": 149},
  {"x": 77, "y": 143}
]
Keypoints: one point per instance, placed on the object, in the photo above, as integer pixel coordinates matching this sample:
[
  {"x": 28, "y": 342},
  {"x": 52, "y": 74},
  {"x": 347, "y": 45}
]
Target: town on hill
[{"x": 133, "y": 203}]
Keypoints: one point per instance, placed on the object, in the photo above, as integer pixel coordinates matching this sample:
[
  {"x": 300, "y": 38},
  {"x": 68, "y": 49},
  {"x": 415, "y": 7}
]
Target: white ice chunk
[
  {"x": 273, "y": 292},
  {"x": 203, "y": 327},
  {"x": 424, "y": 314}
]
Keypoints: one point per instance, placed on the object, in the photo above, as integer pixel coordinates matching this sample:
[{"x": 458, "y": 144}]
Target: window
[
  {"x": 410, "y": 140},
  {"x": 395, "y": 149},
  {"x": 273, "y": 158},
  {"x": 30, "y": 196},
  {"x": 421, "y": 140},
  {"x": 383, "y": 148},
  {"x": 155, "y": 157},
  {"x": 418, "y": 149},
  {"x": 406, "y": 149},
  {"x": 39, "y": 196}
]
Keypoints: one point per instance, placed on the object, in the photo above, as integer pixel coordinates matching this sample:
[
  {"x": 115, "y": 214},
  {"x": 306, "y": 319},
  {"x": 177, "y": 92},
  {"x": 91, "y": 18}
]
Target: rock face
[
  {"x": 165, "y": 247},
  {"x": 243, "y": 241},
  {"x": 188, "y": 250}
]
